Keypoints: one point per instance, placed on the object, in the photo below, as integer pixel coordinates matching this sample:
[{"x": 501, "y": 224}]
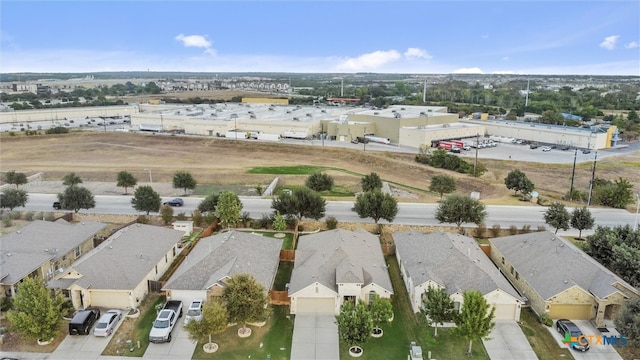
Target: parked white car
[
  {"x": 194, "y": 312},
  {"x": 106, "y": 325},
  {"x": 546, "y": 148}
]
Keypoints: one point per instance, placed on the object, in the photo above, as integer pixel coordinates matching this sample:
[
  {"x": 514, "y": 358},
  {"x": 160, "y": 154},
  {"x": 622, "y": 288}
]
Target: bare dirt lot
[{"x": 98, "y": 157}]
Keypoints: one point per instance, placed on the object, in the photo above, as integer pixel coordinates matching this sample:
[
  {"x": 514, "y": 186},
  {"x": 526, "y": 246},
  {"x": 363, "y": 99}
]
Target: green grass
[
  {"x": 206, "y": 189},
  {"x": 283, "y": 275},
  {"x": 336, "y": 191},
  {"x": 287, "y": 170},
  {"x": 287, "y": 241},
  {"x": 394, "y": 344},
  {"x": 542, "y": 342},
  {"x": 275, "y": 337}
]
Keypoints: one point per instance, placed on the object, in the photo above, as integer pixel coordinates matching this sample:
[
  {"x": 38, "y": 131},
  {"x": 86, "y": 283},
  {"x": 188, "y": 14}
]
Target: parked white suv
[{"x": 194, "y": 312}]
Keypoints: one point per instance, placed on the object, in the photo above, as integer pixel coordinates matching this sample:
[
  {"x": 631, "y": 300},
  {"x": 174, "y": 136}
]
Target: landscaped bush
[
  {"x": 513, "y": 230},
  {"x": 142, "y": 219},
  {"x": 7, "y": 222},
  {"x": 197, "y": 218},
  {"x": 331, "y": 222},
  {"x": 181, "y": 216},
  {"x": 495, "y": 230},
  {"x": 525, "y": 229},
  {"x": 546, "y": 320},
  {"x": 264, "y": 221},
  {"x": 245, "y": 219},
  {"x": 6, "y": 304},
  {"x": 57, "y": 130}
]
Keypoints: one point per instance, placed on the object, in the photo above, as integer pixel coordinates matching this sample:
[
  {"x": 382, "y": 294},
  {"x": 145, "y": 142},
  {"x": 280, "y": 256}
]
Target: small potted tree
[
  {"x": 381, "y": 311},
  {"x": 354, "y": 326}
]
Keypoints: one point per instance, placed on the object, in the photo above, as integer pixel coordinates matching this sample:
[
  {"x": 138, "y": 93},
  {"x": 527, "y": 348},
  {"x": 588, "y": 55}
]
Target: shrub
[
  {"x": 27, "y": 215},
  {"x": 197, "y": 218},
  {"x": 331, "y": 222},
  {"x": 15, "y": 215},
  {"x": 7, "y": 222},
  {"x": 264, "y": 221},
  {"x": 181, "y": 216},
  {"x": 546, "y": 320},
  {"x": 541, "y": 228},
  {"x": 57, "y": 130},
  {"x": 50, "y": 217},
  {"x": 166, "y": 212},
  {"x": 6, "y": 304},
  {"x": 513, "y": 230},
  {"x": 142, "y": 219},
  {"x": 525, "y": 229},
  {"x": 319, "y": 182},
  {"x": 481, "y": 231},
  {"x": 495, "y": 230},
  {"x": 245, "y": 218}
]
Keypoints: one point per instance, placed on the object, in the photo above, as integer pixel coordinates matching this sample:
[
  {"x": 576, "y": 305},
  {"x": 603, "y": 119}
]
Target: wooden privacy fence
[
  {"x": 279, "y": 297},
  {"x": 287, "y": 255}
]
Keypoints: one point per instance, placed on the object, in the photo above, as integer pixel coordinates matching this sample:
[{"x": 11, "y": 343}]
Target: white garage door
[
  {"x": 316, "y": 305},
  {"x": 505, "y": 312}
]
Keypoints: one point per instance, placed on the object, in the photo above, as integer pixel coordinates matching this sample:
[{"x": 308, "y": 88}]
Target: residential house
[
  {"x": 455, "y": 263},
  {"x": 214, "y": 259},
  {"x": 117, "y": 273},
  {"x": 42, "y": 249},
  {"x": 335, "y": 266},
  {"x": 559, "y": 279}
]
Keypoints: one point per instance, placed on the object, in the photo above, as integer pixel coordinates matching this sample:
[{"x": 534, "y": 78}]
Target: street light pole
[
  {"x": 573, "y": 174},
  {"x": 150, "y": 180}
]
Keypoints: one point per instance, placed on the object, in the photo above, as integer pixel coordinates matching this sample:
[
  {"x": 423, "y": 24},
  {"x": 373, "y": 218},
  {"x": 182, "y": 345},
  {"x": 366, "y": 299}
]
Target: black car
[
  {"x": 565, "y": 327},
  {"x": 586, "y": 151},
  {"x": 56, "y": 205},
  {"x": 174, "y": 202}
]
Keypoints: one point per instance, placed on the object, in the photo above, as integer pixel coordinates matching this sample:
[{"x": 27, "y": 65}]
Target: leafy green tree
[
  {"x": 628, "y": 321},
  {"x": 166, "y": 213},
  {"x": 581, "y": 219},
  {"x": 459, "y": 209},
  {"x": 617, "y": 194},
  {"x": 442, "y": 184},
  {"x": 381, "y": 311},
  {"x": 626, "y": 263},
  {"x": 354, "y": 323},
  {"x": 13, "y": 198},
  {"x": 319, "y": 182},
  {"x": 146, "y": 199},
  {"x": 228, "y": 208},
  {"x": 516, "y": 180},
  {"x": 301, "y": 203},
  {"x": 557, "y": 216},
  {"x": 126, "y": 180},
  {"x": 71, "y": 179},
  {"x": 246, "y": 299},
  {"x": 437, "y": 307},
  {"x": 371, "y": 182},
  {"x": 633, "y": 116},
  {"x": 36, "y": 314},
  {"x": 618, "y": 249},
  {"x": 208, "y": 204},
  {"x": 76, "y": 197},
  {"x": 214, "y": 321},
  {"x": 184, "y": 180},
  {"x": 15, "y": 178},
  {"x": 475, "y": 320},
  {"x": 376, "y": 205}
]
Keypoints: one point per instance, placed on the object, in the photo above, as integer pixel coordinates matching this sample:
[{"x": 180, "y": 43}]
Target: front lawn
[
  {"x": 273, "y": 339},
  {"x": 405, "y": 328},
  {"x": 541, "y": 340}
]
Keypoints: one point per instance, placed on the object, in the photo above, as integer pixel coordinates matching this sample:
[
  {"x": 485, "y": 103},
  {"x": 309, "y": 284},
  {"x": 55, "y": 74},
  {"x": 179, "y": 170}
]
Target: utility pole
[
  {"x": 475, "y": 162},
  {"x": 573, "y": 174},
  {"x": 593, "y": 177},
  {"x": 364, "y": 143},
  {"x": 322, "y": 134},
  {"x": 424, "y": 92}
]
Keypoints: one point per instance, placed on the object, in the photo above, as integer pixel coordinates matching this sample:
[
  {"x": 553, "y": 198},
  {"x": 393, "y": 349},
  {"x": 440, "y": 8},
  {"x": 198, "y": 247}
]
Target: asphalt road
[{"x": 408, "y": 213}]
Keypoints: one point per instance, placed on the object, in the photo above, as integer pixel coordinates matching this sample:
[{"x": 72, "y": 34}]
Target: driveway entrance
[
  {"x": 508, "y": 342},
  {"x": 315, "y": 336}
]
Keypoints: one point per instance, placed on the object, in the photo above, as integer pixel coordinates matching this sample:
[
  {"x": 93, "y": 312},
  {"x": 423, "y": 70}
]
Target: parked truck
[{"x": 165, "y": 321}]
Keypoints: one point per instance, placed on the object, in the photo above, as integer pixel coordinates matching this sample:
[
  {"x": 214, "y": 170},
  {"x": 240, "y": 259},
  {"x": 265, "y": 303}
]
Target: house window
[
  {"x": 372, "y": 296},
  {"x": 511, "y": 269},
  {"x": 317, "y": 290},
  {"x": 517, "y": 276},
  {"x": 503, "y": 260},
  {"x": 77, "y": 252},
  {"x": 456, "y": 306}
]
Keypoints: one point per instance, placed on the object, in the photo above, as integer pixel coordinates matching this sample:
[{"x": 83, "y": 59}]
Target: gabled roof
[
  {"x": 126, "y": 257},
  {"x": 25, "y": 250},
  {"x": 552, "y": 265},
  {"x": 451, "y": 260},
  {"x": 339, "y": 255},
  {"x": 226, "y": 254}
]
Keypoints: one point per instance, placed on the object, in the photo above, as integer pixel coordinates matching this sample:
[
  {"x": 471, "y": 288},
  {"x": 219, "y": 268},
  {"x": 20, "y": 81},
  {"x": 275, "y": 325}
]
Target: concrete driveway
[
  {"x": 596, "y": 351},
  {"x": 180, "y": 347},
  {"x": 315, "y": 336},
  {"x": 508, "y": 342}
]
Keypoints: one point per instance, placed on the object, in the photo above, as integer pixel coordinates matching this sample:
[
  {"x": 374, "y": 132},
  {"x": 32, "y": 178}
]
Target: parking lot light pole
[{"x": 150, "y": 180}]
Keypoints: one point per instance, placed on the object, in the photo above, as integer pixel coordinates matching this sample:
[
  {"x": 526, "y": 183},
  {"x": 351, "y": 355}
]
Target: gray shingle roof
[
  {"x": 339, "y": 255},
  {"x": 25, "y": 250},
  {"x": 126, "y": 257},
  {"x": 551, "y": 265},
  {"x": 226, "y": 254},
  {"x": 452, "y": 260}
]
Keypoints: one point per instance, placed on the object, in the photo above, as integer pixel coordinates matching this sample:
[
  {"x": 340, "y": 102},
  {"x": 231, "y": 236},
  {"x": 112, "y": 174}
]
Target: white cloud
[
  {"x": 369, "y": 61},
  {"x": 416, "y": 53},
  {"x": 198, "y": 41},
  {"x": 472, "y": 70},
  {"x": 609, "y": 42},
  {"x": 632, "y": 45}
]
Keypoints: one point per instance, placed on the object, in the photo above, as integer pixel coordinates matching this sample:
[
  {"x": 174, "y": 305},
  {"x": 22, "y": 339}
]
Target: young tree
[
  {"x": 516, "y": 180},
  {"x": 228, "y": 208},
  {"x": 214, "y": 321},
  {"x": 437, "y": 306},
  {"x": 166, "y": 213},
  {"x": 459, "y": 209},
  {"x": 581, "y": 219},
  {"x": 557, "y": 216},
  {"x": 279, "y": 222},
  {"x": 475, "y": 320},
  {"x": 209, "y": 203},
  {"x": 13, "y": 198},
  {"x": 628, "y": 321},
  {"x": 15, "y": 178},
  {"x": 376, "y": 205},
  {"x": 381, "y": 311},
  {"x": 246, "y": 299},
  {"x": 146, "y": 199},
  {"x": 71, "y": 179},
  {"x": 35, "y": 313},
  {"x": 442, "y": 184},
  {"x": 301, "y": 203},
  {"x": 319, "y": 182},
  {"x": 354, "y": 323},
  {"x": 126, "y": 180},
  {"x": 371, "y": 182},
  {"x": 184, "y": 180},
  {"x": 76, "y": 197}
]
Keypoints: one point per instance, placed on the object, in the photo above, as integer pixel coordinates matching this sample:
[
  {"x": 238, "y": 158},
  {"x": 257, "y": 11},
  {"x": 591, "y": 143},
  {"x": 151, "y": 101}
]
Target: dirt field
[{"x": 98, "y": 157}]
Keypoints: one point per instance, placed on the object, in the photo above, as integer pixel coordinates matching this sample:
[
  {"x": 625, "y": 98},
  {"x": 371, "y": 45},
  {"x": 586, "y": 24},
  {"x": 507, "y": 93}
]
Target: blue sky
[{"x": 520, "y": 37}]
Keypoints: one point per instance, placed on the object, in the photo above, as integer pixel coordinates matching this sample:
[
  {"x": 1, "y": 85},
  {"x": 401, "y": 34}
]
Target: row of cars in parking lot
[{"x": 545, "y": 148}]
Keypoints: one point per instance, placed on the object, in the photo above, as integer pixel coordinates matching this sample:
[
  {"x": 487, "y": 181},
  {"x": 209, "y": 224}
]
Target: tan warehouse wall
[
  {"x": 23, "y": 116},
  {"x": 266, "y": 101},
  {"x": 417, "y": 137}
]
